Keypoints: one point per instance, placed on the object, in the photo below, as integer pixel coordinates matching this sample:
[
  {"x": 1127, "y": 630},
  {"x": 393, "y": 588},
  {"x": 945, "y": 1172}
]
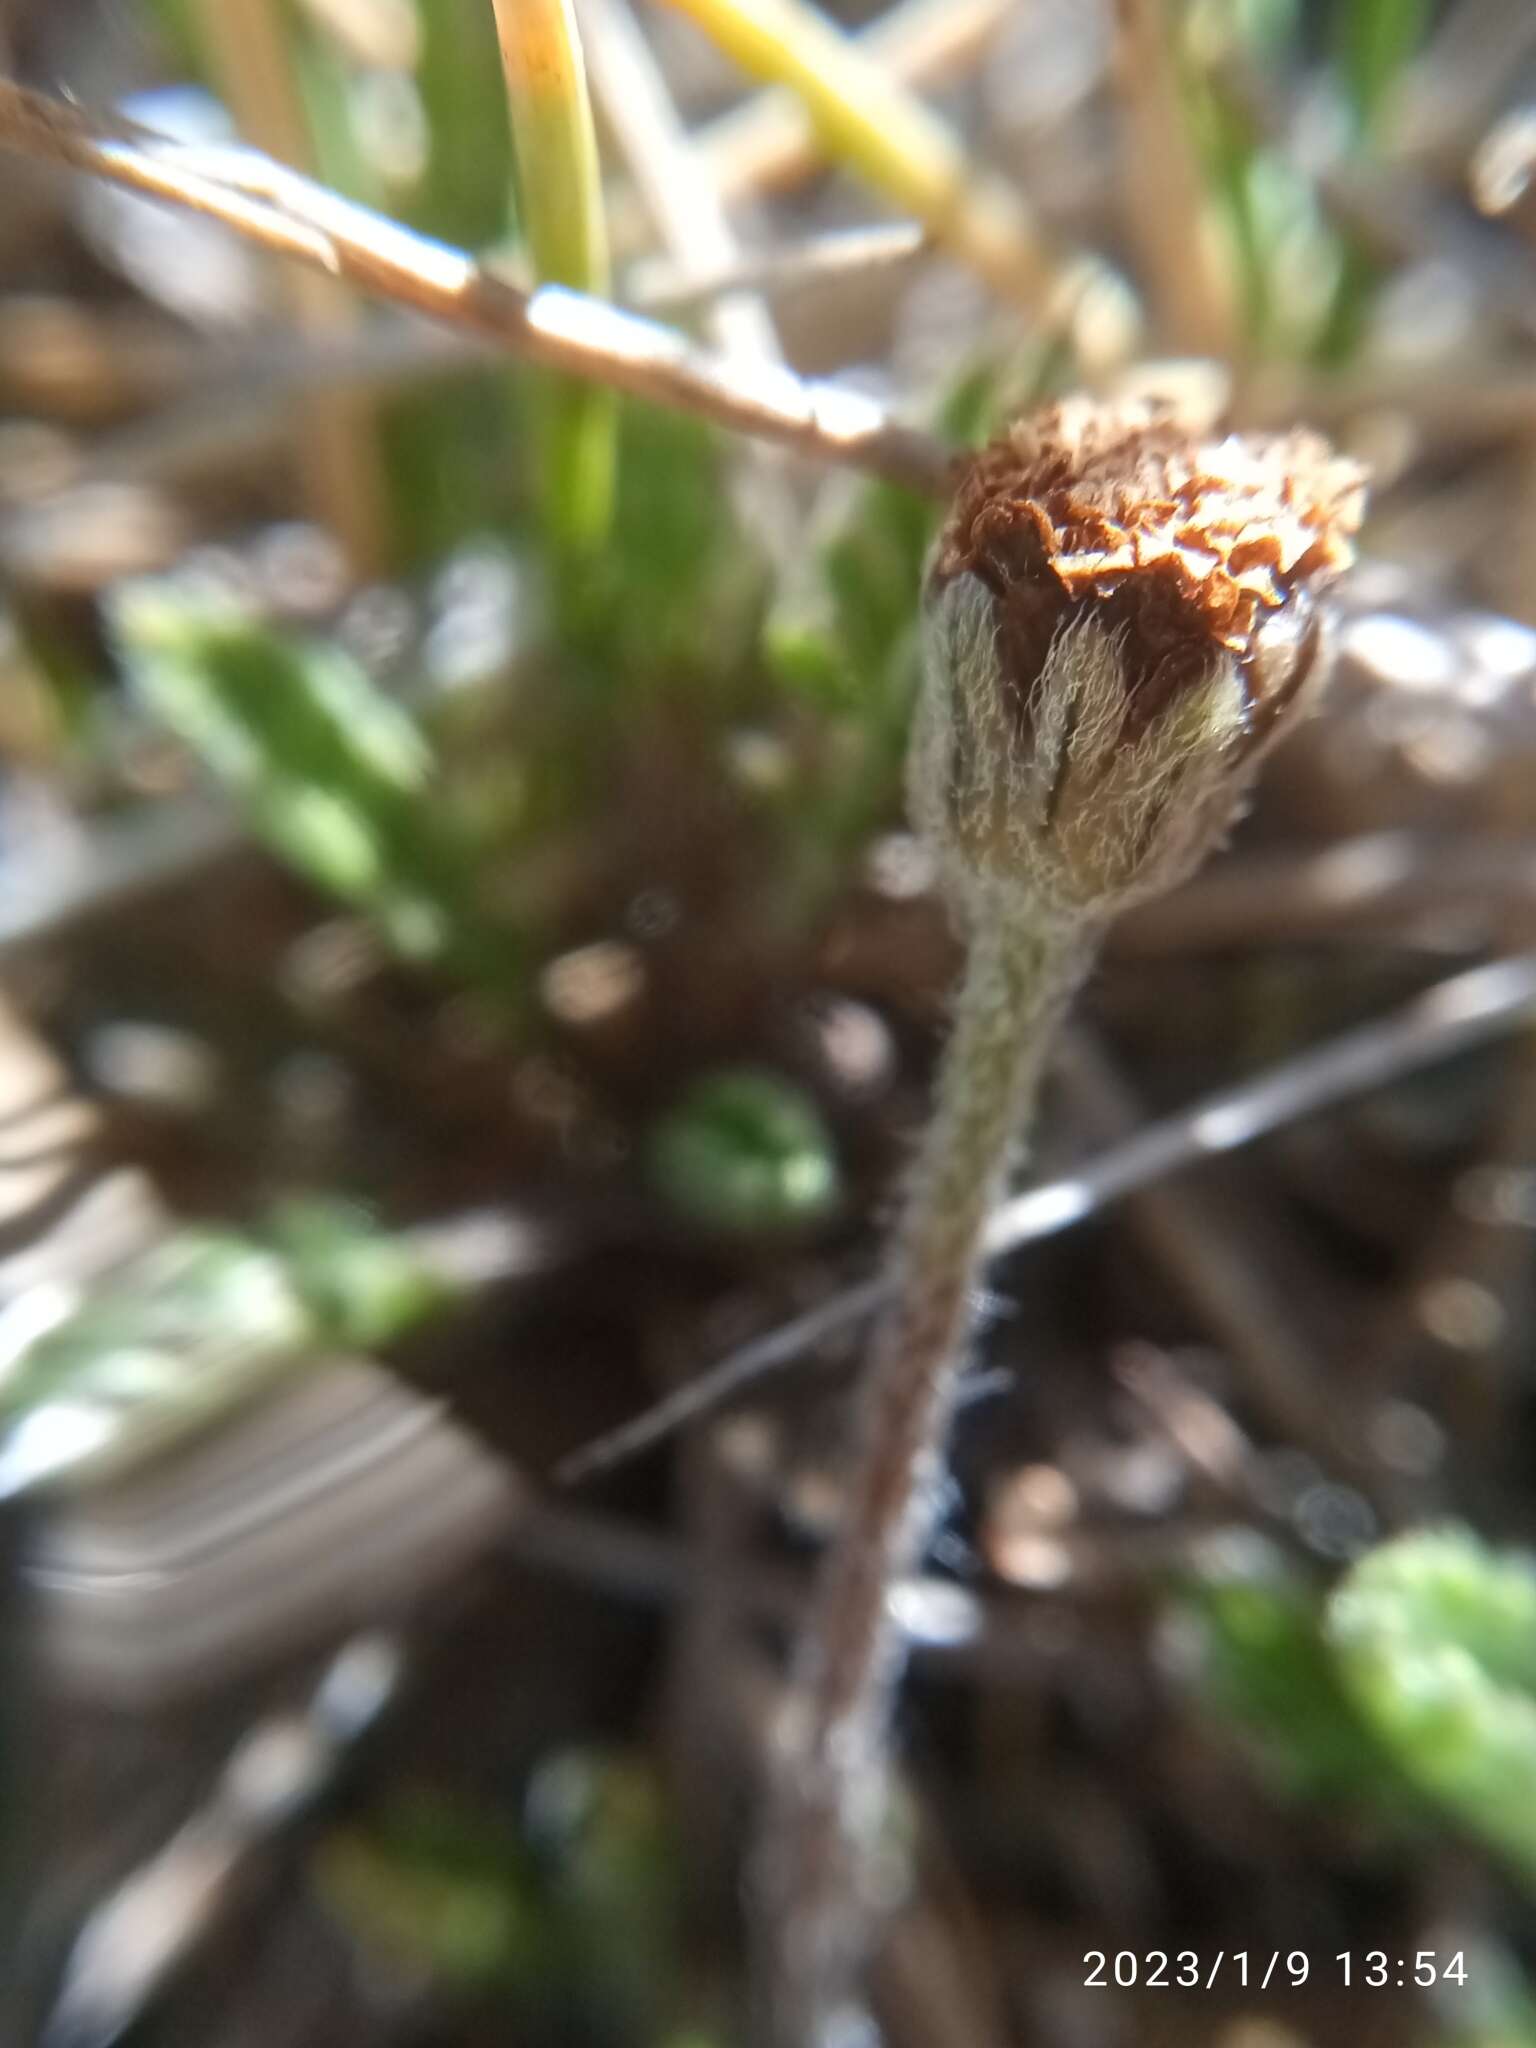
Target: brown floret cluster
[{"x": 1182, "y": 544}]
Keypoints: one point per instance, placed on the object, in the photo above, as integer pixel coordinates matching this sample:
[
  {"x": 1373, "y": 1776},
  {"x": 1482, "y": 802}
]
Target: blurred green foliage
[
  {"x": 842, "y": 632},
  {"x": 465, "y": 191},
  {"x": 1308, "y": 284},
  {"x": 683, "y": 606},
  {"x": 333, "y": 773},
  {"x": 675, "y": 597},
  {"x": 1435, "y": 1637},
  {"x": 1408, "y": 1691},
  {"x": 448, "y": 451},
  {"x": 434, "y": 1892},
  {"x": 363, "y": 1287},
  {"x": 1374, "y": 42},
  {"x": 573, "y": 1922},
  {"x": 1288, "y": 257},
  {"x": 192, "y": 1327},
  {"x": 745, "y": 1152},
  {"x": 1266, "y": 1669},
  {"x": 172, "y": 1340},
  {"x": 601, "y": 1826}
]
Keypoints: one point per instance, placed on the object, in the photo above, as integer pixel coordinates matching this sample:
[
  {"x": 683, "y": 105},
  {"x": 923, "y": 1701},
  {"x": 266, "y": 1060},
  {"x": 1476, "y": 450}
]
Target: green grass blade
[
  {"x": 1374, "y": 42},
  {"x": 332, "y": 773},
  {"x": 561, "y": 210},
  {"x": 875, "y": 126}
]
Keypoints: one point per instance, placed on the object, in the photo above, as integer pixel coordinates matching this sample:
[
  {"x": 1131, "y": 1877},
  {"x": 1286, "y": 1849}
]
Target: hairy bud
[{"x": 1120, "y": 613}]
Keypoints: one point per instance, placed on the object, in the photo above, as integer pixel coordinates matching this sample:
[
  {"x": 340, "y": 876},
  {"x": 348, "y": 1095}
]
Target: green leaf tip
[
  {"x": 743, "y": 1152},
  {"x": 1435, "y": 1634}
]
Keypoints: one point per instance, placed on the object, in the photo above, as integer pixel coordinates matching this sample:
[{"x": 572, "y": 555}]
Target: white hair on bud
[{"x": 1051, "y": 797}]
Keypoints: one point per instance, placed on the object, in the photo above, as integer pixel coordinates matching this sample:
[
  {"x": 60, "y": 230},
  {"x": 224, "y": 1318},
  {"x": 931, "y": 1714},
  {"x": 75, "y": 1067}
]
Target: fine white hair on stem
[
  {"x": 1123, "y": 615},
  {"x": 1468, "y": 1009}
]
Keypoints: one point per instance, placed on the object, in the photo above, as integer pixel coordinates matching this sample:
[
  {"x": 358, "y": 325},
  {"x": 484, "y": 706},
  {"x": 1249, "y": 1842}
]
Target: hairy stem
[{"x": 820, "y": 1863}]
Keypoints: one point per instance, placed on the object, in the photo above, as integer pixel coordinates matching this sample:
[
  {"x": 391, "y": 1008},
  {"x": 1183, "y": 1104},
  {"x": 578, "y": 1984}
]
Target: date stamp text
[{"x": 1276, "y": 1969}]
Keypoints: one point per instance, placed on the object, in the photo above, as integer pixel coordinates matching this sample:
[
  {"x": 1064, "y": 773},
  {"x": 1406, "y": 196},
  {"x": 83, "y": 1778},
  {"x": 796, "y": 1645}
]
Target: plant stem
[
  {"x": 691, "y": 220},
  {"x": 820, "y": 1863},
  {"x": 770, "y": 142},
  {"x": 880, "y": 129},
  {"x": 561, "y": 207},
  {"x": 1187, "y": 271},
  {"x": 335, "y": 442}
]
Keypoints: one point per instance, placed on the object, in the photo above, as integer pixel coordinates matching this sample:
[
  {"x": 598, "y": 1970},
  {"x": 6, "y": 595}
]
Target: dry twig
[
  {"x": 1166, "y": 194},
  {"x": 558, "y": 329},
  {"x": 770, "y": 140},
  {"x": 692, "y": 224},
  {"x": 335, "y": 444},
  {"x": 872, "y": 125},
  {"x": 1208, "y": 1257},
  {"x": 1468, "y": 1009}
]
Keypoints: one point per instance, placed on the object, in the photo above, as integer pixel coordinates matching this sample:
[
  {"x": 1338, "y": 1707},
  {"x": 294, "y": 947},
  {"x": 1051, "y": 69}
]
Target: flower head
[{"x": 1119, "y": 612}]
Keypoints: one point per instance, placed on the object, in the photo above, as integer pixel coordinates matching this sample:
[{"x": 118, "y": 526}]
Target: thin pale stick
[
  {"x": 382, "y": 34},
  {"x": 770, "y": 141},
  {"x": 561, "y": 330},
  {"x": 660, "y": 287},
  {"x": 1464, "y": 1011},
  {"x": 1165, "y": 194},
  {"x": 335, "y": 438},
  {"x": 694, "y": 230},
  {"x": 663, "y": 161},
  {"x": 1274, "y": 1347},
  {"x": 874, "y": 126},
  {"x": 239, "y": 390},
  {"x": 233, "y": 394},
  {"x": 1377, "y": 881}
]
